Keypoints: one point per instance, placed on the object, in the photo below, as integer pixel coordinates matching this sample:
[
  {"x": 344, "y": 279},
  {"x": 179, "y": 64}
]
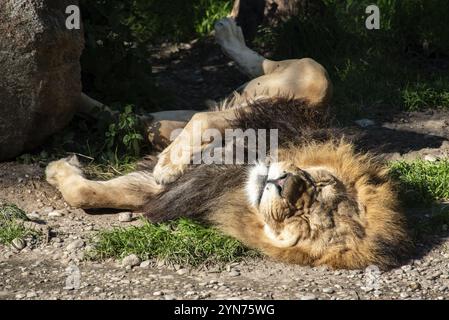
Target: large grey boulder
[{"x": 40, "y": 73}]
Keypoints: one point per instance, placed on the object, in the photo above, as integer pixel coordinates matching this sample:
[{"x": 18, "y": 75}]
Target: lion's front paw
[
  {"x": 59, "y": 171},
  {"x": 165, "y": 171},
  {"x": 229, "y": 35}
]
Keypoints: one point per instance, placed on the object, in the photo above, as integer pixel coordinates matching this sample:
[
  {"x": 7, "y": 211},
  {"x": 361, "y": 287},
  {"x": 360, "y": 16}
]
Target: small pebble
[
  {"x": 182, "y": 271},
  {"x": 74, "y": 245},
  {"x": 55, "y": 214},
  {"x": 125, "y": 216},
  {"x": 364, "y": 123},
  {"x": 328, "y": 290},
  {"x": 430, "y": 158},
  {"x": 97, "y": 290},
  {"x": 33, "y": 215},
  {"x": 145, "y": 264},
  {"x": 18, "y": 243},
  {"x": 234, "y": 273},
  {"x": 131, "y": 261},
  {"x": 308, "y": 297}
]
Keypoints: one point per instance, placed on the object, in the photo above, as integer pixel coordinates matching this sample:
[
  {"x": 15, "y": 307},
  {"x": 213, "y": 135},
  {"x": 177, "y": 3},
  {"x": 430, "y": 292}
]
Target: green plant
[
  {"x": 208, "y": 12},
  {"x": 419, "y": 96},
  {"x": 422, "y": 182},
  {"x": 124, "y": 135},
  {"x": 11, "y": 224},
  {"x": 111, "y": 143},
  {"x": 182, "y": 241}
]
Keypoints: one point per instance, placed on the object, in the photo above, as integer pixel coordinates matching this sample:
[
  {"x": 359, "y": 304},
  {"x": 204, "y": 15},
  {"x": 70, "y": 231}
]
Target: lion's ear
[
  {"x": 326, "y": 182},
  {"x": 321, "y": 176}
]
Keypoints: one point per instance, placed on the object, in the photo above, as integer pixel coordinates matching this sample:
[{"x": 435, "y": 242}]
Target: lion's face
[{"x": 294, "y": 203}]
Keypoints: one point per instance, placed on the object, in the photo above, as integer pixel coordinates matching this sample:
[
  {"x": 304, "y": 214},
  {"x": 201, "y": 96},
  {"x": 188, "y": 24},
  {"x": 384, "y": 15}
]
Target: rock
[
  {"x": 125, "y": 216},
  {"x": 234, "y": 273},
  {"x": 40, "y": 73},
  {"x": 55, "y": 214},
  {"x": 169, "y": 297},
  {"x": 377, "y": 293},
  {"x": 367, "y": 289},
  {"x": 373, "y": 269},
  {"x": 182, "y": 271},
  {"x": 364, "y": 123},
  {"x": 328, "y": 290},
  {"x": 407, "y": 268},
  {"x": 430, "y": 158},
  {"x": 145, "y": 264},
  {"x": 47, "y": 210},
  {"x": 307, "y": 297},
  {"x": 74, "y": 245},
  {"x": 33, "y": 216},
  {"x": 18, "y": 243},
  {"x": 158, "y": 293},
  {"x": 131, "y": 261}
]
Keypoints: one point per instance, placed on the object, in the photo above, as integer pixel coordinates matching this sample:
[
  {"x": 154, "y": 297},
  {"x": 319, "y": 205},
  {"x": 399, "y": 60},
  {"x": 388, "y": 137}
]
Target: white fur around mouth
[
  {"x": 257, "y": 178},
  {"x": 256, "y": 182}
]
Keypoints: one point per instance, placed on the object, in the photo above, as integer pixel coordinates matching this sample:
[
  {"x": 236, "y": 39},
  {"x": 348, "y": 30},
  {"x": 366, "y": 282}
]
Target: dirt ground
[{"x": 47, "y": 270}]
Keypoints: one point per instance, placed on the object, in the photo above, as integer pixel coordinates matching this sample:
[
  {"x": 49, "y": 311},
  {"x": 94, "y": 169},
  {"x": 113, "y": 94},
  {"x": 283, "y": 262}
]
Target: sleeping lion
[{"x": 318, "y": 202}]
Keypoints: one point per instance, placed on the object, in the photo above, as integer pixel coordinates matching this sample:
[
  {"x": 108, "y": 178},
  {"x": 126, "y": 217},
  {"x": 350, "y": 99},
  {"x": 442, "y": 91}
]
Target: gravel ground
[{"x": 41, "y": 274}]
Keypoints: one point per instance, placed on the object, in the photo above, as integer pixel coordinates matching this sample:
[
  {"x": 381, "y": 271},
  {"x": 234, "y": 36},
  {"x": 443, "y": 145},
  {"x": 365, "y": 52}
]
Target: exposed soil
[{"x": 40, "y": 271}]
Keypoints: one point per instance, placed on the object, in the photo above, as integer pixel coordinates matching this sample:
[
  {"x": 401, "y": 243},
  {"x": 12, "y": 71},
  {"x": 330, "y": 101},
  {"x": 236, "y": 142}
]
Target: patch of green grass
[
  {"x": 11, "y": 224},
  {"x": 422, "y": 182},
  {"x": 423, "y": 188},
  {"x": 420, "y": 96},
  {"x": 182, "y": 241}
]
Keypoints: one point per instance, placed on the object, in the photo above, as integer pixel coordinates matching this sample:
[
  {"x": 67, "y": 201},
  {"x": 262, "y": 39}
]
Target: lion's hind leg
[{"x": 130, "y": 192}]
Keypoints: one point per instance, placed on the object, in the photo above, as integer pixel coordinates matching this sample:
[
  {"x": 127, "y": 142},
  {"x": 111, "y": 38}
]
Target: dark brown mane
[{"x": 297, "y": 121}]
